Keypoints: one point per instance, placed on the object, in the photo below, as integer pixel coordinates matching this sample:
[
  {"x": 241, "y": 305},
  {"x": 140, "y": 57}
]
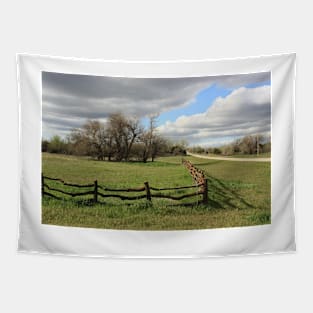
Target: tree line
[
  {"x": 252, "y": 144},
  {"x": 120, "y": 139}
]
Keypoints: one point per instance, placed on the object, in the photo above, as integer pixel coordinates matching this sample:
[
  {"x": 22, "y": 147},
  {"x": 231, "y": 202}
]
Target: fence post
[
  {"x": 42, "y": 185},
  {"x": 147, "y": 191},
  {"x": 95, "y": 196},
  {"x": 205, "y": 191}
]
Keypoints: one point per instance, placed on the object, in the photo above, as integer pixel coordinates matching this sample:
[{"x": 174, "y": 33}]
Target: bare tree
[
  {"x": 147, "y": 138},
  {"x": 116, "y": 130},
  {"x": 123, "y": 133},
  {"x": 152, "y": 135},
  {"x": 144, "y": 150},
  {"x": 159, "y": 144},
  {"x": 95, "y": 135},
  {"x": 117, "y": 138},
  {"x": 89, "y": 140},
  {"x": 134, "y": 129}
]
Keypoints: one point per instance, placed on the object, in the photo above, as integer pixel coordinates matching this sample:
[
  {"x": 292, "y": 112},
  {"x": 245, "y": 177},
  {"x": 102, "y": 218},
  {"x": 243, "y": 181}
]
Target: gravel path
[{"x": 230, "y": 158}]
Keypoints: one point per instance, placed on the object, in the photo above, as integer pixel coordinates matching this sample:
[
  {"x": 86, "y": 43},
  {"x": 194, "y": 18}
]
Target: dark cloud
[{"x": 69, "y": 100}]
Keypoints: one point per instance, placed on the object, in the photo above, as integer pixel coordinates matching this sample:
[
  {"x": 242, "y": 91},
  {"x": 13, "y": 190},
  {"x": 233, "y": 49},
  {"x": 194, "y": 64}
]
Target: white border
[{"x": 279, "y": 236}]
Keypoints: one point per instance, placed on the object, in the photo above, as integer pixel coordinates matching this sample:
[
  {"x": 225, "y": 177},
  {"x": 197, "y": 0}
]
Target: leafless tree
[
  {"x": 121, "y": 138},
  {"x": 123, "y": 132}
]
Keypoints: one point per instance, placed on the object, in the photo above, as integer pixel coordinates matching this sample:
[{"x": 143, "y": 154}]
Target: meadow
[{"x": 239, "y": 194}]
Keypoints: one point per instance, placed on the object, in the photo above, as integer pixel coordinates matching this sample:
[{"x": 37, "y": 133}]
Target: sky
[{"x": 207, "y": 111}]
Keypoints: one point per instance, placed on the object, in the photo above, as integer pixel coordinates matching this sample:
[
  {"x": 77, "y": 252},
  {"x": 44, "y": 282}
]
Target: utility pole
[{"x": 257, "y": 144}]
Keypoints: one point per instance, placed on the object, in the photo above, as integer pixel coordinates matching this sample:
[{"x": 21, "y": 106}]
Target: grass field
[
  {"x": 261, "y": 155},
  {"x": 239, "y": 194}
]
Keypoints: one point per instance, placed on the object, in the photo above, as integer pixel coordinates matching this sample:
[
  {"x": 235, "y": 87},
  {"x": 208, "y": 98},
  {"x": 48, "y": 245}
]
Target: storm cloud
[{"x": 69, "y": 100}]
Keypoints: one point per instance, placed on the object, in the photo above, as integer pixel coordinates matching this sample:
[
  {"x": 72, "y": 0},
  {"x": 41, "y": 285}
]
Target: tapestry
[{"x": 179, "y": 159}]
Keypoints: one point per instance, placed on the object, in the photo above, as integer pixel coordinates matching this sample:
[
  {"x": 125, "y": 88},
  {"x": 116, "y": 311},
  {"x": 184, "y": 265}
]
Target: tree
[
  {"x": 89, "y": 140},
  {"x": 217, "y": 151},
  {"x": 44, "y": 145},
  {"x": 123, "y": 132},
  {"x": 145, "y": 144},
  {"x": 153, "y": 138},
  {"x": 158, "y": 146},
  {"x": 148, "y": 140},
  {"x": 178, "y": 148},
  {"x": 56, "y": 145},
  {"x": 116, "y": 127},
  {"x": 197, "y": 149},
  {"x": 133, "y": 130},
  {"x": 121, "y": 138},
  {"x": 95, "y": 135},
  {"x": 228, "y": 149},
  {"x": 251, "y": 144},
  {"x": 78, "y": 144}
]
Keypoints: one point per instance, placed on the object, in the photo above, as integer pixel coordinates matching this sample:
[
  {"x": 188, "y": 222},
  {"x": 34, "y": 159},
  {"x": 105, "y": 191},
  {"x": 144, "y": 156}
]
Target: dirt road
[{"x": 229, "y": 158}]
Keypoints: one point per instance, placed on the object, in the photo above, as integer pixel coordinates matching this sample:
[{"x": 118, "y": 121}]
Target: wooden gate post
[
  {"x": 205, "y": 191},
  {"x": 95, "y": 196},
  {"x": 148, "y": 193}
]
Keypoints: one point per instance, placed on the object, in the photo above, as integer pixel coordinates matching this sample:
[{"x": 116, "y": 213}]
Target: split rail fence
[{"x": 148, "y": 191}]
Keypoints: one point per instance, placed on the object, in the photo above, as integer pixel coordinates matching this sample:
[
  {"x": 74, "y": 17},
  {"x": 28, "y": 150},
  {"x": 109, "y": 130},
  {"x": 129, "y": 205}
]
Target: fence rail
[
  {"x": 68, "y": 184},
  {"x": 123, "y": 190},
  {"x": 70, "y": 193},
  {"x": 199, "y": 178},
  {"x": 202, "y": 190}
]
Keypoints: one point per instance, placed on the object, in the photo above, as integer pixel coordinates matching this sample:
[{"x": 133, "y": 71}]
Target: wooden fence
[
  {"x": 198, "y": 177},
  {"x": 97, "y": 191}
]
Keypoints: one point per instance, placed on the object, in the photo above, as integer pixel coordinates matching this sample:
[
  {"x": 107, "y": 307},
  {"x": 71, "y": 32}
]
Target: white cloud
[
  {"x": 245, "y": 111},
  {"x": 69, "y": 100}
]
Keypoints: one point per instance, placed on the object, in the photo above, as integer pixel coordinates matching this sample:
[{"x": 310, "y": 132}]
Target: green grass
[
  {"x": 261, "y": 155},
  {"x": 239, "y": 194}
]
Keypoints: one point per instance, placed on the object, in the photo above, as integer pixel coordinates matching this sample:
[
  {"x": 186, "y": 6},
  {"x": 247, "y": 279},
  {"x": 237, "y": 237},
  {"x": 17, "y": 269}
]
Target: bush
[
  {"x": 217, "y": 151},
  {"x": 56, "y": 145}
]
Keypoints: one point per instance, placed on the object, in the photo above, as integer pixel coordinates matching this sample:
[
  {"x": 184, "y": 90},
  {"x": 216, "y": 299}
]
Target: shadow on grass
[
  {"x": 221, "y": 196},
  {"x": 212, "y": 162}
]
